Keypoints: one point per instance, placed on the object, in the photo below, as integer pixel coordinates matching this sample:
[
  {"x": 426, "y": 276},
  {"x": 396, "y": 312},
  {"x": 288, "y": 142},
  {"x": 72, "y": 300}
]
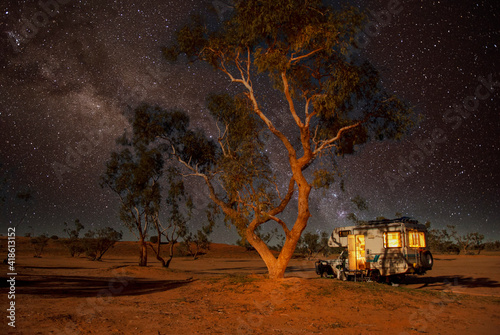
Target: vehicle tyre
[
  {"x": 426, "y": 259},
  {"x": 375, "y": 276},
  {"x": 396, "y": 279},
  {"x": 319, "y": 268}
]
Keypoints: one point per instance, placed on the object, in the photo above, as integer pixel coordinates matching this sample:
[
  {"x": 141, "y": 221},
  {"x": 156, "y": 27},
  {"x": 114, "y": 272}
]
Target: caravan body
[{"x": 383, "y": 248}]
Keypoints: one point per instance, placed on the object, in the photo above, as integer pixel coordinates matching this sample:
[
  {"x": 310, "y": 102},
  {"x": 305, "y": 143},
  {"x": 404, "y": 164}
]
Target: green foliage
[
  {"x": 133, "y": 173},
  {"x": 323, "y": 178},
  {"x": 241, "y": 162},
  {"x": 137, "y": 172},
  {"x": 198, "y": 243},
  {"x": 308, "y": 42},
  {"x": 470, "y": 241},
  {"x": 449, "y": 241},
  {"x": 74, "y": 243},
  {"x": 98, "y": 242},
  {"x": 73, "y": 233},
  {"x": 360, "y": 203},
  {"x": 312, "y": 243},
  {"x": 492, "y": 246},
  {"x": 172, "y": 126},
  {"x": 180, "y": 207},
  {"x": 441, "y": 241}
]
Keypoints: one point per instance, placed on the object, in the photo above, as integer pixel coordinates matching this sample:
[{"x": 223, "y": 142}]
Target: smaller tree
[
  {"x": 195, "y": 244},
  {"x": 477, "y": 241},
  {"x": 98, "y": 242},
  {"x": 468, "y": 241},
  {"x": 39, "y": 243},
  {"x": 492, "y": 246},
  {"x": 180, "y": 210},
  {"x": 133, "y": 173},
  {"x": 74, "y": 243},
  {"x": 311, "y": 244},
  {"x": 441, "y": 240}
]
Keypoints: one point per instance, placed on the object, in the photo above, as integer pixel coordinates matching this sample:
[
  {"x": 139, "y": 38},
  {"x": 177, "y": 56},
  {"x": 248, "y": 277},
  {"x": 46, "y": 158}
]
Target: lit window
[
  {"x": 416, "y": 239},
  {"x": 392, "y": 239},
  {"x": 344, "y": 233}
]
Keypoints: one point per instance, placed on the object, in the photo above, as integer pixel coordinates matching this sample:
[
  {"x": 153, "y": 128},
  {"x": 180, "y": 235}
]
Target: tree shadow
[
  {"x": 57, "y": 267},
  {"x": 445, "y": 281},
  {"x": 79, "y": 286},
  {"x": 231, "y": 270}
]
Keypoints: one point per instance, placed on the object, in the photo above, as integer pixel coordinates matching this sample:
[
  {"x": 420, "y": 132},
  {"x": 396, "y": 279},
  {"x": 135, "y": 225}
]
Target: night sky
[{"x": 65, "y": 86}]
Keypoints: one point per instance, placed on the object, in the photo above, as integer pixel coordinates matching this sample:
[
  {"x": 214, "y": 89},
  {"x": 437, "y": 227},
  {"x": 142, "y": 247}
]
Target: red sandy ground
[{"x": 226, "y": 292}]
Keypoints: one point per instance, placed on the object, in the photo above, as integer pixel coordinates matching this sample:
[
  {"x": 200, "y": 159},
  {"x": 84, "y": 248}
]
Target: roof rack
[{"x": 404, "y": 219}]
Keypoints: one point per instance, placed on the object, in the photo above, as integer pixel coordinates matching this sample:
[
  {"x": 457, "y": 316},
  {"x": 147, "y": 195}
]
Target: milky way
[{"x": 66, "y": 85}]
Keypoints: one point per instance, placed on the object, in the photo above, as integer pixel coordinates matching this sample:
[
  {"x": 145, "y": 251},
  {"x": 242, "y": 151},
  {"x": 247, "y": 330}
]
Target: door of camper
[{"x": 356, "y": 248}]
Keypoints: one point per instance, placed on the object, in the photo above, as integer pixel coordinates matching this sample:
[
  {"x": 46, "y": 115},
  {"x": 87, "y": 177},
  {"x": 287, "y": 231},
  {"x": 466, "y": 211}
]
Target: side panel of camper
[{"x": 384, "y": 248}]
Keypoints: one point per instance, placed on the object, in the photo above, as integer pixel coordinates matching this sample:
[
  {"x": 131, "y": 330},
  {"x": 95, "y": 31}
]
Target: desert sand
[{"x": 226, "y": 292}]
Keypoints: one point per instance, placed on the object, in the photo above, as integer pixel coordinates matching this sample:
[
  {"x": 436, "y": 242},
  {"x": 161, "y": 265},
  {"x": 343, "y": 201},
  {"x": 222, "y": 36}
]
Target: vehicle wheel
[
  {"x": 396, "y": 279},
  {"x": 426, "y": 259},
  {"x": 375, "y": 276}
]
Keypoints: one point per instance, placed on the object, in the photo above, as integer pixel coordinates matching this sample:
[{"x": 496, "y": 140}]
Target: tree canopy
[{"x": 334, "y": 103}]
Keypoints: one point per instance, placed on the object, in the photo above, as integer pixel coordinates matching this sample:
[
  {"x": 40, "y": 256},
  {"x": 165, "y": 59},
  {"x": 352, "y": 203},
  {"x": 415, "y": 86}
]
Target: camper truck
[{"x": 381, "y": 249}]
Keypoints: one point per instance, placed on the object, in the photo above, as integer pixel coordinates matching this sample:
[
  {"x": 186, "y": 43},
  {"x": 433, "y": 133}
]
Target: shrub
[
  {"x": 98, "y": 242},
  {"x": 39, "y": 243}
]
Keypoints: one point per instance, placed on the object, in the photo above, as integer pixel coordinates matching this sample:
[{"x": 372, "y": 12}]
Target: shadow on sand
[
  {"x": 442, "y": 281},
  {"x": 78, "y": 286}
]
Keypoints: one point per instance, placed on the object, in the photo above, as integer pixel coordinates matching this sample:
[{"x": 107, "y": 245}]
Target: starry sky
[{"x": 65, "y": 84}]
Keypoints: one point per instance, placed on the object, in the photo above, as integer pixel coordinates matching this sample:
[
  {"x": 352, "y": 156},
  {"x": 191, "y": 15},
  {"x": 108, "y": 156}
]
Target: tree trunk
[
  {"x": 157, "y": 252},
  {"x": 143, "y": 254},
  {"x": 277, "y": 267},
  {"x": 171, "y": 251}
]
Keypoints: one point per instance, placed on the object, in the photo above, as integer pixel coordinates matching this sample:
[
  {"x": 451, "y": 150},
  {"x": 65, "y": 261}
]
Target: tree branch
[
  {"x": 328, "y": 143},
  {"x": 288, "y": 96},
  {"x": 282, "y": 224},
  {"x": 295, "y": 59}
]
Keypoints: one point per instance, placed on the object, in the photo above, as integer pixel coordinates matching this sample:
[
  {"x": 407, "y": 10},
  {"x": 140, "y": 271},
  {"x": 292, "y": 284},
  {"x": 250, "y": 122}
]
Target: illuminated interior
[
  {"x": 416, "y": 239},
  {"x": 392, "y": 239},
  {"x": 356, "y": 247}
]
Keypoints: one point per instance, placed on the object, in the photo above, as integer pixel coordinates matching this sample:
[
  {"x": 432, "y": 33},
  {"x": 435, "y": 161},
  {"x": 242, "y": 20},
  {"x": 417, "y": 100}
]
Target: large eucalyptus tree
[{"x": 333, "y": 100}]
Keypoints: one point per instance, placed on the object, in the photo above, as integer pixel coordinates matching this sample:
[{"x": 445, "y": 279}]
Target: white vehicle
[{"x": 380, "y": 249}]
